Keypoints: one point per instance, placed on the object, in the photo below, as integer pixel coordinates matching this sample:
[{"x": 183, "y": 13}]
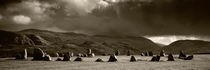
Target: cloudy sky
[{"x": 155, "y": 19}]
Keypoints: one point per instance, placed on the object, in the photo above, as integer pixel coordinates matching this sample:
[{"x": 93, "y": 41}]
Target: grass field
[{"x": 200, "y": 62}]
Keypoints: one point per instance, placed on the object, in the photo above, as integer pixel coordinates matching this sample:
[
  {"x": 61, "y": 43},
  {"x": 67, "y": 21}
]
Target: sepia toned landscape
[
  {"x": 200, "y": 62},
  {"x": 104, "y": 35}
]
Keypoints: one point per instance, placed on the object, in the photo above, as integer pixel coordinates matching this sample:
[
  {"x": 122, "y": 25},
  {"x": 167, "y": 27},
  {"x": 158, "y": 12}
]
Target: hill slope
[
  {"x": 78, "y": 43},
  {"x": 189, "y": 46}
]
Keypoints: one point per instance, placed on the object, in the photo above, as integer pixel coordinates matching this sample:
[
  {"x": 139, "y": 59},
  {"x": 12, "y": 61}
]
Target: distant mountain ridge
[
  {"x": 51, "y": 42},
  {"x": 189, "y": 46},
  {"x": 78, "y": 43}
]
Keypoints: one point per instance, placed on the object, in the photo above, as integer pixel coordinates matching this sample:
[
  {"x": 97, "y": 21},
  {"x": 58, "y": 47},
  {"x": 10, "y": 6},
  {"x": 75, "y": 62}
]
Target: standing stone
[
  {"x": 189, "y": 57},
  {"x": 79, "y": 54},
  {"x": 89, "y": 51},
  {"x": 150, "y": 53},
  {"x": 162, "y": 53},
  {"x": 146, "y": 53},
  {"x": 47, "y": 58},
  {"x": 38, "y": 54},
  {"x": 72, "y": 54},
  {"x": 78, "y": 59},
  {"x": 112, "y": 58},
  {"x": 182, "y": 55},
  {"x": 133, "y": 59},
  {"x": 170, "y": 57},
  {"x": 56, "y": 54},
  {"x": 117, "y": 52},
  {"x": 99, "y": 60},
  {"x": 155, "y": 58},
  {"x": 67, "y": 57},
  {"x": 142, "y": 54},
  {"x": 58, "y": 59},
  {"x": 128, "y": 53},
  {"x": 23, "y": 55},
  {"x": 92, "y": 55}
]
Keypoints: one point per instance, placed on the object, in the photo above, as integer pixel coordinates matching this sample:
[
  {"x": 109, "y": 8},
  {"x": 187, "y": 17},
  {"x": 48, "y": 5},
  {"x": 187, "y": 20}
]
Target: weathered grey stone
[
  {"x": 170, "y": 57},
  {"x": 155, "y": 58},
  {"x": 23, "y": 55},
  {"x": 112, "y": 58},
  {"x": 89, "y": 51},
  {"x": 58, "y": 59},
  {"x": 189, "y": 57},
  {"x": 99, "y": 60},
  {"x": 142, "y": 54},
  {"x": 133, "y": 59},
  {"x": 78, "y": 59},
  {"x": 47, "y": 58},
  {"x": 79, "y": 54},
  {"x": 67, "y": 57}
]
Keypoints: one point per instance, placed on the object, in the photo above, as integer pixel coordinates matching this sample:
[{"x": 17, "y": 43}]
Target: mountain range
[{"x": 12, "y": 43}]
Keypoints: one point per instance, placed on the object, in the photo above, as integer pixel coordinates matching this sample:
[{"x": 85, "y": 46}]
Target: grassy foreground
[{"x": 200, "y": 62}]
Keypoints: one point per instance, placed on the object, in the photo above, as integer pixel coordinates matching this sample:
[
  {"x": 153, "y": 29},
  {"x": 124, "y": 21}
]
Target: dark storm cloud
[{"x": 109, "y": 17}]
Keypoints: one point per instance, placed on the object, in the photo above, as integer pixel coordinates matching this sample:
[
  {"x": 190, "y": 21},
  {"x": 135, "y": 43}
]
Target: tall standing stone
[
  {"x": 25, "y": 54},
  {"x": 67, "y": 57},
  {"x": 38, "y": 54},
  {"x": 22, "y": 55}
]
